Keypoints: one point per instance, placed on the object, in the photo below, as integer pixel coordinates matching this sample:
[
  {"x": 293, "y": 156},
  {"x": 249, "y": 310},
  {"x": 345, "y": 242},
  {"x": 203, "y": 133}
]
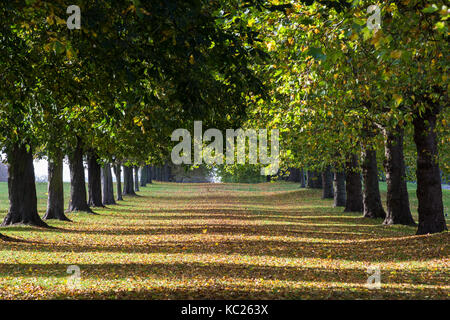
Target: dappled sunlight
[{"x": 223, "y": 243}]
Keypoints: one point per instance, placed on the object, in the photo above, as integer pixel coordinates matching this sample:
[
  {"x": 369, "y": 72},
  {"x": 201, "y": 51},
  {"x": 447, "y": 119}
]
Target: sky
[{"x": 41, "y": 170}]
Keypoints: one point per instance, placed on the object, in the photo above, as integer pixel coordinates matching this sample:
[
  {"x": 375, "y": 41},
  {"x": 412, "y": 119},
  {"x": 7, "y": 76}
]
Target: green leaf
[
  {"x": 430, "y": 9},
  {"x": 316, "y": 53}
]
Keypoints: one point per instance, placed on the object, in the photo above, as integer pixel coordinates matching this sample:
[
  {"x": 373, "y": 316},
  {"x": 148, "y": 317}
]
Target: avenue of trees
[{"x": 350, "y": 101}]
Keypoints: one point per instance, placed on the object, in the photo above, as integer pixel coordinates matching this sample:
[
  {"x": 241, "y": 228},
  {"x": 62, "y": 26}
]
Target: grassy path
[{"x": 181, "y": 241}]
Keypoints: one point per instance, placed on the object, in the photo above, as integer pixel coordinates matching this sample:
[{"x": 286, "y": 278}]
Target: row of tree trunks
[
  {"x": 22, "y": 187},
  {"x": 327, "y": 184},
  {"x": 160, "y": 173},
  {"x": 107, "y": 185},
  {"x": 353, "y": 187}
]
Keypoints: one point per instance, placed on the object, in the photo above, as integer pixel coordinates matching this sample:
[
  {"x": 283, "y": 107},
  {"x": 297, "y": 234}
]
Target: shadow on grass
[
  {"x": 236, "y": 272},
  {"x": 381, "y": 250}
]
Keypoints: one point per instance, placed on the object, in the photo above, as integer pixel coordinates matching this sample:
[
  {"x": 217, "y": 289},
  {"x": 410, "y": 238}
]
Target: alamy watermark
[
  {"x": 74, "y": 20},
  {"x": 213, "y": 153},
  {"x": 74, "y": 280},
  {"x": 374, "y": 20},
  {"x": 374, "y": 279}
]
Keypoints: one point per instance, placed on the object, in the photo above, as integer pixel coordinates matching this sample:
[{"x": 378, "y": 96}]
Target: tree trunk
[
  {"x": 128, "y": 185},
  {"x": 340, "y": 196},
  {"x": 149, "y": 174},
  {"x": 136, "y": 178},
  {"x": 78, "y": 201},
  {"x": 327, "y": 183},
  {"x": 429, "y": 188},
  {"x": 166, "y": 172},
  {"x": 314, "y": 179},
  {"x": 55, "y": 199},
  {"x": 107, "y": 187},
  {"x": 292, "y": 174},
  {"x": 22, "y": 188},
  {"x": 94, "y": 181},
  {"x": 152, "y": 172},
  {"x": 317, "y": 180},
  {"x": 397, "y": 199},
  {"x": 118, "y": 174},
  {"x": 373, "y": 208},
  {"x": 302, "y": 178},
  {"x": 143, "y": 176},
  {"x": 159, "y": 171},
  {"x": 354, "y": 202}
]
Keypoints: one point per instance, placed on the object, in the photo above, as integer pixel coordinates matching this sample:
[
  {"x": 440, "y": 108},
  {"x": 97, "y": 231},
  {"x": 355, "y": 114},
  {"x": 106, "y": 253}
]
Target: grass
[{"x": 223, "y": 241}]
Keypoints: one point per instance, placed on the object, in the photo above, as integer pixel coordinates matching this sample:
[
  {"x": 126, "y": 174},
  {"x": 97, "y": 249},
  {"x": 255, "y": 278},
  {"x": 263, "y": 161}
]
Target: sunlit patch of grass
[{"x": 230, "y": 241}]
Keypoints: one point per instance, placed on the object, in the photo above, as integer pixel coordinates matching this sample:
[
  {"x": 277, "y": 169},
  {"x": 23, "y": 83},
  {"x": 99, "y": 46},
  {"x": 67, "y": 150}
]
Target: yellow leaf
[
  {"x": 191, "y": 59},
  {"x": 398, "y": 99},
  {"x": 70, "y": 53},
  {"x": 50, "y": 20},
  {"x": 60, "y": 21},
  {"x": 396, "y": 54}
]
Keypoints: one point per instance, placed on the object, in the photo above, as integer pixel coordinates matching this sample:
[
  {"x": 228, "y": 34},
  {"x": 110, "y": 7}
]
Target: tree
[
  {"x": 118, "y": 173},
  {"x": 55, "y": 202},
  {"x": 327, "y": 183},
  {"x": 128, "y": 184},
  {"x": 372, "y": 206},
  {"x": 354, "y": 201},
  {"x": 94, "y": 180},
  {"x": 107, "y": 185}
]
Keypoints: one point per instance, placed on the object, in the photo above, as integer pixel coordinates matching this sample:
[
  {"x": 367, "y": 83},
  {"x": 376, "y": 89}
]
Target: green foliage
[{"x": 240, "y": 173}]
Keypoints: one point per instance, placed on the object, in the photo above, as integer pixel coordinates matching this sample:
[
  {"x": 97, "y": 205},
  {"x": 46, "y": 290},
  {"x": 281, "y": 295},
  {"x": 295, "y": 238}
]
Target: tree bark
[
  {"x": 327, "y": 183},
  {"x": 78, "y": 201},
  {"x": 94, "y": 181},
  {"x": 136, "y": 178},
  {"x": 22, "y": 188},
  {"x": 314, "y": 180},
  {"x": 373, "y": 208},
  {"x": 159, "y": 173},
  {"x": 55, "y": 190},
  {"x": 302, "y": 178},
  {"x": 429, "y": 188},
  {"x": 353, "y": 187},
  {"x": 143, "y": 176},
  {"x": 149, "y": 174},
  {"x": 128, "y": 185},
  {"x": 155, "y": 173},
  {"x": 340, "y": 196},
  {"x": 118, "y": 174},
  {"x": 107, "y": 186},
  {"x": 397, "y": 199},
  {"x": 166, "y": 172}
]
